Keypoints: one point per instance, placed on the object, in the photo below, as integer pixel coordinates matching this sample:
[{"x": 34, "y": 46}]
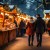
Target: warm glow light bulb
[{"x": 2, "y": 13}]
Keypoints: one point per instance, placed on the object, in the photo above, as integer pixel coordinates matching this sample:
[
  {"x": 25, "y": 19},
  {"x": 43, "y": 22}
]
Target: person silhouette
[
  {"x": 39, "y": 29},
  {"x": 30, "y": 31}
]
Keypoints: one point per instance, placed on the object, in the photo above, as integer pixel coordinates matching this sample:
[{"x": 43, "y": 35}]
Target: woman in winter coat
[
  {"x": 48, "y": 26},
  {"x": 30, "y": 31}
]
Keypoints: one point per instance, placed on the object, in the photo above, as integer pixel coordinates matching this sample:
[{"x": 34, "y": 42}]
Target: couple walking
[{"x": 39, "y": 27}]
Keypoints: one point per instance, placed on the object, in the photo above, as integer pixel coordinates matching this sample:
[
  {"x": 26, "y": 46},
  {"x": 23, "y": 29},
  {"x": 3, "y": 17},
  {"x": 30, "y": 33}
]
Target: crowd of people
[{"x": 38, "y": 26}]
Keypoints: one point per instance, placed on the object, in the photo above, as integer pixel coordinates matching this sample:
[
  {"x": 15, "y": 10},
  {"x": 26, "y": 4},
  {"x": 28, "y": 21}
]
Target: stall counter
[{"x": 7, "y": 36}]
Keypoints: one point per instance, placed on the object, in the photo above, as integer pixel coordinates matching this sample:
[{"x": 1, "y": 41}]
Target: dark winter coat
[
  {"x": 22, "y": 25},
  {"x": 40, "y": 25}
]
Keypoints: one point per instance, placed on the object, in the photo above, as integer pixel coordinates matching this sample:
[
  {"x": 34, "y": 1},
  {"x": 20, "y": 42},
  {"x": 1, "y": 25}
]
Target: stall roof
[
  {"x": 13, "y": 12},
  {"x": 10, "y": 12}
]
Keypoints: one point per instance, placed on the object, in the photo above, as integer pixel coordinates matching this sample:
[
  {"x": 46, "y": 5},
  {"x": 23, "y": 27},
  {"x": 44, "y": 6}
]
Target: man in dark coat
[{"x": 39, "y": 29}]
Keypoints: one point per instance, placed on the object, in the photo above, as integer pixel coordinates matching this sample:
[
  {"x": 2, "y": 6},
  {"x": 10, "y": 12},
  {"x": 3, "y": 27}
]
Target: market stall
[{"x": 7, "y": 26}]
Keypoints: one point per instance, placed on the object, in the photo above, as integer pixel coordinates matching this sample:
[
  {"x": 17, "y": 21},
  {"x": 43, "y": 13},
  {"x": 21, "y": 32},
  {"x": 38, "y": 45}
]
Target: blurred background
[{"x": 30, "y": 7}]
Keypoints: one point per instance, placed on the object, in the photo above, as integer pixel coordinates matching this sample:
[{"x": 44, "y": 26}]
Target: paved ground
[{"x": 21, "y": 44}]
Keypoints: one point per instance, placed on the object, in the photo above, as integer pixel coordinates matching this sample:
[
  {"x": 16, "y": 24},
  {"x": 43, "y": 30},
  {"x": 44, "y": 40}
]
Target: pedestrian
[
  {"x": 22, "y": 27},
  {"x": 39, "y": 29},
  {"x": 48, "y": 27},
  {"x": 30, "y": 31}
]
